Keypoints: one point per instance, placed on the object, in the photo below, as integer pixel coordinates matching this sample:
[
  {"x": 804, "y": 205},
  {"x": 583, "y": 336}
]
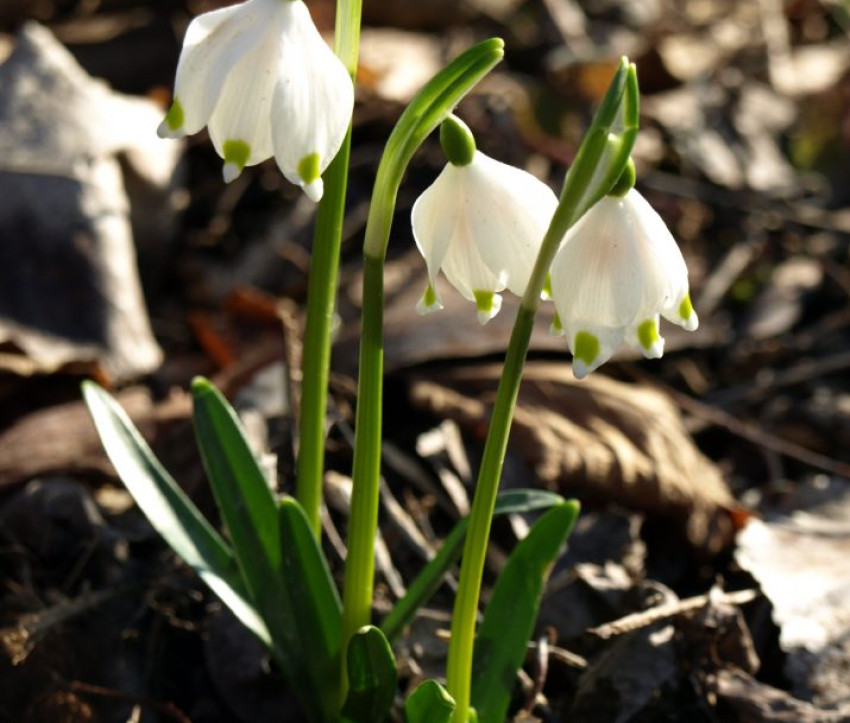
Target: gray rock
[{"x": 69, "y": 286}]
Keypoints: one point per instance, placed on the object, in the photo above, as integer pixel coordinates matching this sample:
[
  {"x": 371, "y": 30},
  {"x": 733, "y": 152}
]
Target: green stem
[
  {"x": 430, "y": 107},
  {"x": 599, "y": 163},
  {"x": 321, "y": 294},
  {"x": 363, "y": 522}
]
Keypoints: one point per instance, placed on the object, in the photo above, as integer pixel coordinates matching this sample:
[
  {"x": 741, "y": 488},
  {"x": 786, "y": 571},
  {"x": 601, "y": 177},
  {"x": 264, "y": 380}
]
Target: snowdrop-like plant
[
  {"x": 263, "y": 80},
  {"x": 481, "y": 222},
  {"x": 617, "y": 272}
]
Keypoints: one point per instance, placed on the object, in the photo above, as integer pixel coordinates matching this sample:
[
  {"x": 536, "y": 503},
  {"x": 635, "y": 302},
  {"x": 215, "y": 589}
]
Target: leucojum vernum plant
[{"x": 260, "y": 77}]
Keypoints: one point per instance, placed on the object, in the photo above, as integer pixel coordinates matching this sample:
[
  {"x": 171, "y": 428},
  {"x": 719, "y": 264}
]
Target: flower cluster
[
  {"x": 262, "y": 79},
  {"x": 617, "y": 271}
]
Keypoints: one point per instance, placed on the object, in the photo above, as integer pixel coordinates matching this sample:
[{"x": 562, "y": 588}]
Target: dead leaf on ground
[
  {"x": 801, "y": 562},
  {"x": 604, "y": 440},
  {"x": 753, "y": 702},
  {"x": 62, "y": 438}
]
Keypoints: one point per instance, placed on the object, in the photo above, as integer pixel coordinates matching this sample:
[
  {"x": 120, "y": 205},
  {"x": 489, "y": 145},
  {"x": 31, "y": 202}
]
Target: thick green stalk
[
  {"x": 599, "y": 163},
  {"x": 430, "y": 107},
  {"x": 321, "y": 294}
]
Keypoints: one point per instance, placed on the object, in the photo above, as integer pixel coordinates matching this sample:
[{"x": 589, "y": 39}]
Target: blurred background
[{"x": 715, "y": 481}]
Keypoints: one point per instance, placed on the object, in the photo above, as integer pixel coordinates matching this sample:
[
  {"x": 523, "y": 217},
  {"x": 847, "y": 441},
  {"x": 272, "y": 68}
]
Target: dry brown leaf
[
  {"x": 599, "y": 438},
  {"x": 62, "y": 438},
  {"x": 754, "y": 702}
]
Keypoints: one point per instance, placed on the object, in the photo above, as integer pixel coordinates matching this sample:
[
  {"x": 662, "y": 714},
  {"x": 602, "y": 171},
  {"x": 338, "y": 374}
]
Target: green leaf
[
  {"x": 171, "y": 513},
  {"x": 431, "y": 576},
  {"x": 315, "y": 600},
  {"x": 429, "y": 703},
  {"x": 509, "y": 620},
  {"x": 274, "y": 576},
  {"x": 371, "y": 677}
]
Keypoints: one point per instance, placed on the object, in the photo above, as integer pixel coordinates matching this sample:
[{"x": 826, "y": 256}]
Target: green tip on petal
[
  {"x": 457, "y": 141},
  {"x": 430, "y": 296},
  {"x": 488, "y": 304},
  {"x": 308, "y": 168},
  {"x": 236, "y": 155},
  {"x": 585, "y": 353},
  {"x": 647, "y": 334},
  {"x": 429, "y": 301},
  {"x": 557, "y": 327},
  {"x": 686, "y": 308},
  {"x": 172, "y": 124},
  {"x": 546, "y": 294}
]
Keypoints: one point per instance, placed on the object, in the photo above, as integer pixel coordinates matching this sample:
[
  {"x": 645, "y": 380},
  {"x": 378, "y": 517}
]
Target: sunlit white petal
[
  {"x": 312, "y": 102},
  {"x": 245, "y": 105},
  {"x": 213, "y": 44},
  {"x": 511, "y": 213}
]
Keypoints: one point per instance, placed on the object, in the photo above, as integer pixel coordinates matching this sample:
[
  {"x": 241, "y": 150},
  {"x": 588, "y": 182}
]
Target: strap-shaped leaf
[
  {"x": 509, "y": 620},
  {"x": 428, "y": 581},
  {"x": 171, "y": 513},
  {"x": 371, "y": 677},
  {"x": 315, "y": 599},
  {"x": 429, "y": 703},
  {"x": 278, "y": 587}
]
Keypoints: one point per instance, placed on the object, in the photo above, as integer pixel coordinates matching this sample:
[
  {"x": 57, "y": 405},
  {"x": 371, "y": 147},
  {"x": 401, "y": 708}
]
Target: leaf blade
[
  {"x": 371, "y": 672},
  {"x": 429, "y": 703},
  {"x": 272, "y": 575},
  {"x": 169, "y": 510}
]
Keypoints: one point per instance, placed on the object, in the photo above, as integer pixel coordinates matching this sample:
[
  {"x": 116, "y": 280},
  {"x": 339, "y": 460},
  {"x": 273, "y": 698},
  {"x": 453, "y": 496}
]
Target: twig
[
  {"x": 167, "y": 709},
  {"x": 636, "y": 621}
]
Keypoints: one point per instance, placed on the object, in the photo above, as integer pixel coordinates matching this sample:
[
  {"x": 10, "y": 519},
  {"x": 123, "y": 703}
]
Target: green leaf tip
[{"x": 202, "y": 385}]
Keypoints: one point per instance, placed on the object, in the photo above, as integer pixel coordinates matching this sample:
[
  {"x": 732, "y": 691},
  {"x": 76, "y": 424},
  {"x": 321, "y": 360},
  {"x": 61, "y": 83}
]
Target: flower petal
[
  {"x": 312, "y": 102},
  {"x": 213, "y": 44},
  {"x": 243, "y": 114},
  {"x": 435, "y": 216},
  {"x": 509, "y": 218},
  {"x": 463, "y": 265},
  {"x": 596, "y": 273}
]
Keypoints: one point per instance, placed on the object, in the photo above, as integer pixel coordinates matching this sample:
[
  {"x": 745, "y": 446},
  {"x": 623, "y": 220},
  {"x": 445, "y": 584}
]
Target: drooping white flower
[
  {"x": 617, "y": 271},
  {"x": 481, "y": 222},
  {"x": 263, "y": 80}
]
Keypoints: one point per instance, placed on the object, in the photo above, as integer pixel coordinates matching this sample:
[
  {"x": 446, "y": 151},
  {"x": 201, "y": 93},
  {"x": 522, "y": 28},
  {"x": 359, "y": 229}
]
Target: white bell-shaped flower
[
  {"x": 617, "y": 271},
  {"x": 481, "y": 222},
  {"x": 262, "y": 78}
]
